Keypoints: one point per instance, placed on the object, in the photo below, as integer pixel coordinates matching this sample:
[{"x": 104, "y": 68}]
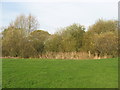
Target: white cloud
[
  {"x": 55, "y": 15},
  {"x": 61, "y": 14}
]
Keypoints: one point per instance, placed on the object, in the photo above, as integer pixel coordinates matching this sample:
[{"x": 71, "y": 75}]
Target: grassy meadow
[{"x": 48, "y": 73}]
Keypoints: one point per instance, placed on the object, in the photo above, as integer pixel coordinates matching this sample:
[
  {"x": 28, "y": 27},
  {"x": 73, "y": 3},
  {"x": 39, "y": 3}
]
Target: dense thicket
[
  {"x": 22, "y": 39},
  {"x": 102, "y": 38},
  {"x": 69, "y": 39}
]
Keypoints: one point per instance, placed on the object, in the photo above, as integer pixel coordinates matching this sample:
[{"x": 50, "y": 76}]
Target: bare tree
[
  {"x": 32, "y": 23},
  {"x": 28, "y": 23}
]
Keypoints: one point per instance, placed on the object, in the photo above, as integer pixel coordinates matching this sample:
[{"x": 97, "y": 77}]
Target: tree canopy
[{"x": 22, "y": 39}]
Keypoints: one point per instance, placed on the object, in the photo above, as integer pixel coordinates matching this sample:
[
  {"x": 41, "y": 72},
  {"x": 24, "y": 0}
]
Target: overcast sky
[{"x": 54, "y": 14}]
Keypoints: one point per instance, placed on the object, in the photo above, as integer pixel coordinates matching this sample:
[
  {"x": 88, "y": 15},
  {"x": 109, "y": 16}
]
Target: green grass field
[{"x": 38, "y": 73}]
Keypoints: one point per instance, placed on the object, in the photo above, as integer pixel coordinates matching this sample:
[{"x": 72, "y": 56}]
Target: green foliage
[
  {"x": 11, "y": 41},
  {"x": 46, "y": 73},
  {"x": 68, "y": 39},
  {"x": 101, "y": 38},
  {"x": 17, "y": 44},
  {"x": 107, "y": 44},
  {"x": 53, "y": 43},
  {"x": 102, "y": 26},
  {"x": 26, "y": 49},
  {"x": 37, "y": 39},
  {"x": 72, "y": 36}
]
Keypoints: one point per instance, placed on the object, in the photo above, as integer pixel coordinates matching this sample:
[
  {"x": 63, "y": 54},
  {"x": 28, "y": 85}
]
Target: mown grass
[{"x": 44, "y": 73}]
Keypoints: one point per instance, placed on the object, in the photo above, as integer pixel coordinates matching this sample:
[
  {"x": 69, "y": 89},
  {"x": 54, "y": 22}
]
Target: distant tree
[
  {"x": 16, "y": 44},
  {"x": 102, "y": 26},
  {"x": 32, "y": 23},
  {"x": 11, "y": 41},
  {"x": 107, "y": 44},
  {"x": 20, "y": 22},
  {"x": 27, "y": 50},
  {"x": 88, "y": 42},
  {"x": 68, "y": 39},
  {"x": 99, "y": 36},
  {"x": 37, "y": 39},
  {"x": 53, "y": 43},
  {"x": 22, "y": 39},
  {"x": 72, "y": 37},
  {"x": 27, "y": 23}
]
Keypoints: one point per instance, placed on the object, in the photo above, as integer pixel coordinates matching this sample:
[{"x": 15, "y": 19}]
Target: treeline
[{"x": 22, "y": 39}]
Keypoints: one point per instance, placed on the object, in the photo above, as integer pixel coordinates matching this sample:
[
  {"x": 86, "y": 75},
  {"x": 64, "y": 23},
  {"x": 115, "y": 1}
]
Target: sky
[{"x": 55, "y": 14}]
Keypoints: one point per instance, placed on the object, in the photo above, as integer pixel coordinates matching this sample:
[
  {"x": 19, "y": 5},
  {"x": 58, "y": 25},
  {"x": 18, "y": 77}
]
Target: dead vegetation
[{"x": 69, "y": 55}]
